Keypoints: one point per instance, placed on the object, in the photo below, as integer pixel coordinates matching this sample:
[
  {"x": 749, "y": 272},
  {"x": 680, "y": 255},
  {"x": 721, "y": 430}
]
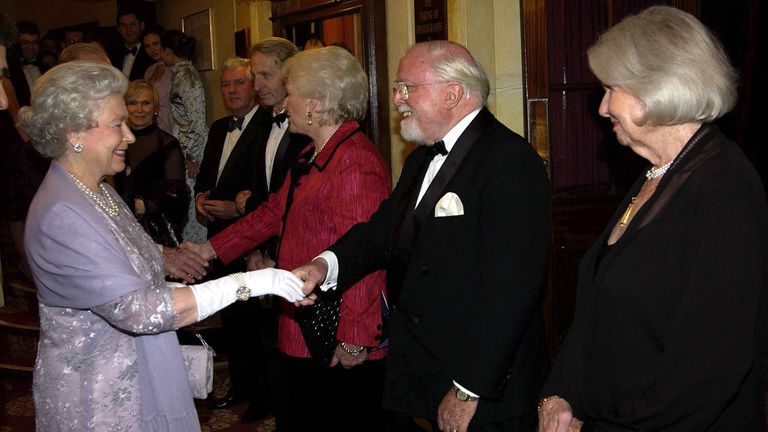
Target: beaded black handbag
[{"x": 318, "y": 324}]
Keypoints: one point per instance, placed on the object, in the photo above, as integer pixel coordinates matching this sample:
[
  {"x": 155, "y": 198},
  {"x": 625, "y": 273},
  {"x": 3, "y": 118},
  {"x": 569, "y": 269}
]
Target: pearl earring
[
  {"x": 78, "y": 148},
  {"x": 309, "y": 118}
]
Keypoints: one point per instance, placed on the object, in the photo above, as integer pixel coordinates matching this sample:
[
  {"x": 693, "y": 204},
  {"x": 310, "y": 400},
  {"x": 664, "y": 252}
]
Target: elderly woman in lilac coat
[{"x": 108, "y": 357}]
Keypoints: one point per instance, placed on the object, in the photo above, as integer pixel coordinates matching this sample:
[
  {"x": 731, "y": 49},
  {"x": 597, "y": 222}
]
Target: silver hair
[
  {"x": 279, "y": 48},
  {"x": 453, "y": 62},
  {"x": 671, "y": 62},
  {"x": 334, "y": 77},
  {"x": 68, "y": 99},
  {"x": 238, "y": 62}
]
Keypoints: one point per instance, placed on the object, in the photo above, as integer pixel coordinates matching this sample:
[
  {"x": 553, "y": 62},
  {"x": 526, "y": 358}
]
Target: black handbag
[{"x": 318, "y": 324}]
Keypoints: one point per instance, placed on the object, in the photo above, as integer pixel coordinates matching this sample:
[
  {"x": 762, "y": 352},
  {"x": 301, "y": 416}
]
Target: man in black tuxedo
[
  {"x": 227, "y": 168},
  {"x": 24, "y": 64},
  {"x": 464, "y": 240},
  {"x": 131, "y": 58},
  {"x": 283, "y": 147},
  {"x": 256, "y": 167}
]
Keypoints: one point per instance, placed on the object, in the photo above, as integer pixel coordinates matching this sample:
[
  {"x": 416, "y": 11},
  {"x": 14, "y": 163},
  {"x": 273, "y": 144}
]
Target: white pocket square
[{"x": 449, "y": 205}]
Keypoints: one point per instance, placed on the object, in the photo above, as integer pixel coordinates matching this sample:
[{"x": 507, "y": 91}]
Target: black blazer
[
  {"x": 240, "y": 172},
  {"x": 287, "y": 153},
  {"x": 140, "y": 63},
  {"x": 468, "y": 308}
]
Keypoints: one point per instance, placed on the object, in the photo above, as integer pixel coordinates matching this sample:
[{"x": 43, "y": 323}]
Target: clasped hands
[{"x": 195, "y": 257}]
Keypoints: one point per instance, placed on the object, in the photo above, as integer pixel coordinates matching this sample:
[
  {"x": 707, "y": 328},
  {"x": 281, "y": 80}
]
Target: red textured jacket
[{"x": 345, "y": 185}]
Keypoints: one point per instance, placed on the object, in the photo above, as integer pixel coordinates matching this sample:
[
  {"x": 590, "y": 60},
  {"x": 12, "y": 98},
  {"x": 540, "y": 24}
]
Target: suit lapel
[
  {"x": 253, "y": 132},
  {"x": 279, "y": 161},
  {"x": 459, "y": 151}
]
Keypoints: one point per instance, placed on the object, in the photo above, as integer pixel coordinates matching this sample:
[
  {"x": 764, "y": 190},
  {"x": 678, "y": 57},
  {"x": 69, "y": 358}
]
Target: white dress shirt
[
  {"x": 275, "y": 136},
  {"x": 129, "y": 59}
]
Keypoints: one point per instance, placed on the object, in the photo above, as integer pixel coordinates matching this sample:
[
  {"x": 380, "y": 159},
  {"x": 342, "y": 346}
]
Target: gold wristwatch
[{"x": 464, "y": 397}]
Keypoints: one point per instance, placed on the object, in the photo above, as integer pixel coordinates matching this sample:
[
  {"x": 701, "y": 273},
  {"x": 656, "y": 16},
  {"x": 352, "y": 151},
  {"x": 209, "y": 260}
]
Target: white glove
[
  {"x": 274, "y": 281},
  {"x": 215, "y": 295}
]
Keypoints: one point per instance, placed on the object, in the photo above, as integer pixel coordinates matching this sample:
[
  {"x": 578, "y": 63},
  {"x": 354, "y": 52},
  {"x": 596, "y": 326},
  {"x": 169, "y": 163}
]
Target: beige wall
[
  {"x": 170, "y": 13},
  {"x": 491, "y": 31}
]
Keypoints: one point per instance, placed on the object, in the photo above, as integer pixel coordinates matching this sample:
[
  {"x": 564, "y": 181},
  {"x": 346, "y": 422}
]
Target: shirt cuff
[
  {"x": 333, "y": 270},
  {"x": 465, "y": 390}
]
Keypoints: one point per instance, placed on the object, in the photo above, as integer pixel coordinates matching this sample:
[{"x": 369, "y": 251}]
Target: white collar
[{"x": 453, "y": 135}]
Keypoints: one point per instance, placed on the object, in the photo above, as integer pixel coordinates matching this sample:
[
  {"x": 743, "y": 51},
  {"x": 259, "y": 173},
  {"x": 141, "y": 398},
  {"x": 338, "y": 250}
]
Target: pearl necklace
[
  {"x": 104, "y": 200},
  {"x": 657, "y": 172},
  {"x": 322, "y": 146}
]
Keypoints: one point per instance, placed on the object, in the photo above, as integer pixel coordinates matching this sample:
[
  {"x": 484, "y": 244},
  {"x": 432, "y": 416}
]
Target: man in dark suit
[
  {"x": 24, "y": 64},
  {"x": 131, "y": 58},
  {"x": 283, "y": 147},
  {"x": 251, "y": 172},
  {"x": 227, "y": 168},
  {"x": 464, "y": 240}
]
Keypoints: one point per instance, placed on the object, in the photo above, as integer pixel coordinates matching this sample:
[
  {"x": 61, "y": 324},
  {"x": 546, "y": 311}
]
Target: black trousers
[
  {"x": 316, "y": 398},
  {"x": 250, "y": 332}
]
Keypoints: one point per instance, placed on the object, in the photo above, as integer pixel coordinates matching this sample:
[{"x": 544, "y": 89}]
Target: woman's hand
[
  {"x": 347, "y": 357},
  {"x": 185, "y": 265},
  {"x": 556, "y": 415},
  {"x": 205, "y": 250}
]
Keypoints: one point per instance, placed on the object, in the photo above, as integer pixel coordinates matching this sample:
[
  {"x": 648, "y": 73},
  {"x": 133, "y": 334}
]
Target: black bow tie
[
  {"x": 279, "y": 119},
  {"x": 28, "y": 62},
  {"x": 233, "y": 124},
  {"x": 133, "y": 50},
  {"x": 438, "y": 148}
]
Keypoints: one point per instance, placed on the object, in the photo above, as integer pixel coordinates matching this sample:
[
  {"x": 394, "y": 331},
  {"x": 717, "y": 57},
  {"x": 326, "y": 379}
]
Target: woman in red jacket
[{"x": 339, "y": 181}]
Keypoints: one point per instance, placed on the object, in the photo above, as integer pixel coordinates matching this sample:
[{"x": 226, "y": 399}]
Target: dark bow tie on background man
[
  {"x": 438, "y": 148},
  {"x": 134, "y": 50},
  {"x": 234, "y": 123},
  {"x": 279, "y": 119}
]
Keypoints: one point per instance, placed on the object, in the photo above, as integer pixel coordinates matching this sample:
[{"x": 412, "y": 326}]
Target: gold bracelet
[
  {"x": 545, "y": 400},
  {"x": 352, "y": 352}
]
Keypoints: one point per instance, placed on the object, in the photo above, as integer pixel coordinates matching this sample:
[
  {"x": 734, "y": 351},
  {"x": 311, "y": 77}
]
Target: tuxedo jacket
[
  {"x": 240, "y": 172},
  {"x": 140, "y": 63},
  {"x": 287, "y": 153},
  {"x": 469, "y": 293}
]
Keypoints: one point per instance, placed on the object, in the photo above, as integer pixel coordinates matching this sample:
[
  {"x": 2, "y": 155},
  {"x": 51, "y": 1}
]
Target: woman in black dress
[{"x": 153, "y": 183}]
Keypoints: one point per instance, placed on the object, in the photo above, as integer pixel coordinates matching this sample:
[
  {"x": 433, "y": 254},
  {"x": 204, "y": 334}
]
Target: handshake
[{"x": 188, "y": 263}]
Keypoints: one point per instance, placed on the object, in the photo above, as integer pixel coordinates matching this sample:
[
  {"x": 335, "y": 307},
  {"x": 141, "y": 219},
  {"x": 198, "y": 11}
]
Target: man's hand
[
  {"x": 184, "y": 264},
  {"x": 556, "y": 415},
  {"x": 200, "y": 200},
  {"x": 454, "y": 415},
  {"x": 241, "y": 199},
  {"x": 313, "y": 274},
  {"x": 192, "y": 168},
  {"x": 221, "y": 209},
  {"x": 205, "y": 250}
]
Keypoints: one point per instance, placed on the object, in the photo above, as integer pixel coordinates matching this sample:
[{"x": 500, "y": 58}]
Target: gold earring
[{"x": 309, "y": 118}]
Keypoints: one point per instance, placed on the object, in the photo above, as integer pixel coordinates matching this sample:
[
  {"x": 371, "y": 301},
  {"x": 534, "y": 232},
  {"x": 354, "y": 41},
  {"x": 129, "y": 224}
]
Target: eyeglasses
[{"x": 403, "y": 88}]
